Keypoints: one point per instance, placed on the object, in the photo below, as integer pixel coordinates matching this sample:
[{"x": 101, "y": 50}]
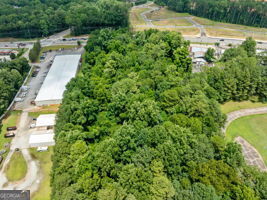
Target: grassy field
[
  {"x": 11, "y": 120},
  {"x": 233, "y": 106},
  {"x": 57, "y": 47},
  {"x": 172, "y": 22},
  {"x": 207, "y": 22},
  {"x": 135, "y": 16},
  {"x": 51, "y": 109},
  {"x": 183, "y": 31},
  {"x": 253, "y": 129},
  {"x": 164, "y": 13},
  {"x": 216, "y": 32},
  {"x": 16, "y": 168},
  {"x": 46, "y": 164}
]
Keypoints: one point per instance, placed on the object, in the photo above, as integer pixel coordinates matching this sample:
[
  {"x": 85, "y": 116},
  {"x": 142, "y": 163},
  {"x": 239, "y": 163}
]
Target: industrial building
[{"x": 63, "y": 69}]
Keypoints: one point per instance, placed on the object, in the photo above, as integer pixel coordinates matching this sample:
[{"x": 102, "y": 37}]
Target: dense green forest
[
  {"x": 136, "y": 124},
  {"x": 246, "y": 12},
  {"x": 12, "y": 75},
  {"x": 28, "y": 19}
]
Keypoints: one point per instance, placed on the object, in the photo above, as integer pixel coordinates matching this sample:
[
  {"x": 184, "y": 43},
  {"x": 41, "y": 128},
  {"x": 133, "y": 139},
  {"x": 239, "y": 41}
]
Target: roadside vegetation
[
  {"x": 35, "y": 52},
  {"x": 16, "y": 169},
  {"x": 44, "y": 159},
  {"x": 253, "y": 129},
  {"x": 137, "y": 124},
  {"x": 232, "y": 106}
]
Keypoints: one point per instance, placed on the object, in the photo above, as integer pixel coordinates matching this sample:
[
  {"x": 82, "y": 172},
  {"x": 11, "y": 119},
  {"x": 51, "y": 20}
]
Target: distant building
[{"x": 6, "y": 52}]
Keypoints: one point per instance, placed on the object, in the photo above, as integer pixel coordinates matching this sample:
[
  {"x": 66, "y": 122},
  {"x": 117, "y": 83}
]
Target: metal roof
[
  {"x": 63, "y": 69},
  {"x": 46, "y": 120}
]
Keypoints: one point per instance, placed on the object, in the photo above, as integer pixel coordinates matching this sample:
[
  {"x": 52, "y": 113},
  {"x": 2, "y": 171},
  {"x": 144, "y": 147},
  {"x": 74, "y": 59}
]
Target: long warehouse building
[{"x": 63, "y": 69}]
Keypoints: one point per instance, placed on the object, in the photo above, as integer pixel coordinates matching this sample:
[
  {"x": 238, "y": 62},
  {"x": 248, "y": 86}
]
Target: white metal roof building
[
  {"x": 63, "y": 69},
  {"x": 41, "y": 140},
  {"x": 46, "y": 120}
]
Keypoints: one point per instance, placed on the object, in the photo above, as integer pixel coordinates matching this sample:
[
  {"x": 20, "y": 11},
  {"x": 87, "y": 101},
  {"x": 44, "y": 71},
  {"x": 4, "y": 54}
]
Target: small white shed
[
  {"x": 46, "y": 120},
  {"x": 41, "y": 140}
]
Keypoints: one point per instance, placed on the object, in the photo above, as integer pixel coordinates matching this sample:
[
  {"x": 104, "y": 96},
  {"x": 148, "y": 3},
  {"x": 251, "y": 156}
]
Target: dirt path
[{"x": 252, "y": 156}]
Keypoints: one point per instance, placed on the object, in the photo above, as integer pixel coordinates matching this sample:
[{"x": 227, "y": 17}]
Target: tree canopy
[
  {"x": 12, "y": 75},
  {"x": 29, "y": 19},
  {"x": 137, "y": 124}
]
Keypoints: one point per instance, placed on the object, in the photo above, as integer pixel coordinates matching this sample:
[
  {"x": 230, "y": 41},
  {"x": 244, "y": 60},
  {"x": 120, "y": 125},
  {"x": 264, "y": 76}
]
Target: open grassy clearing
[
  {"x": 44, "y": 158},
  {"x": 16, "y": 168},
  {"x": 183, "y": 31},
  {"x": 165, "y": 13},
  {"x": 208, "y": 22},
  {"x": 253, "y": 129},
  {"x": 215, "y": 32},
  {"x": 51, "y": 109},
  {"x": 57, "y": 47},
  {"x": 135, "y": 16},
  {"x": 234, "y": 106},
  {"x": 172, "y": 22},
  {"x": 11, "y": 120}
]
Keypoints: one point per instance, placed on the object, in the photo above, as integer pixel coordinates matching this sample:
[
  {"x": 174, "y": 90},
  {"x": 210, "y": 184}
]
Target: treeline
[
  {"x": 245, "y": 12},
  {"x": 12, "y": 75},
  {"x": 29, "y": 19},
  {"x": 35, "y": 52},
  {"x": 137, "y": 124}
]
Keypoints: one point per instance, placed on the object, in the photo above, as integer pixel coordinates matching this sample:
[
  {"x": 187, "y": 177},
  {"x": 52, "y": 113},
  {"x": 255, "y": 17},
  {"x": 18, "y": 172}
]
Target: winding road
[
  {"x": 251, "y": 155},
  {"x": 203, "y": 37}
]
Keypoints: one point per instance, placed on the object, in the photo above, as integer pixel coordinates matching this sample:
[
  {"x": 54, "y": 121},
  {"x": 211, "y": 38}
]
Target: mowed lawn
[
  {"x": 135, "y": 16},
  {"x": 44, "y": 158},
  {"x": 253, "y": 129},
  {"x": 11, "y": 120},
  {"x": 165, "y": 13},
  {"x": 234, "y": 106},
  {"x": 172, "y": 22},
  {"x": 16, "y": 168}
]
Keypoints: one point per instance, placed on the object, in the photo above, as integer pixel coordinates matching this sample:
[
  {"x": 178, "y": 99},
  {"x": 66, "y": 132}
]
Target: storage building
[{"x": 63, "y": 69}]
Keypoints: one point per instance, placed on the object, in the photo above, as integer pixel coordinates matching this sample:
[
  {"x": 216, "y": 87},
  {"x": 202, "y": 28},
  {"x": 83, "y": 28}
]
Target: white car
[
  {"x": 32, "y": 126},
  {"x": 41, "y": 149}
]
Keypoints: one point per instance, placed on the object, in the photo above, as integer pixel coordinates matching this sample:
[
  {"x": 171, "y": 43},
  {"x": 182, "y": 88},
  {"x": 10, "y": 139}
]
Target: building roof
[
  {"x": 199, "y": 54},
  {"x": 37, "y": 140},
  {"x": 63, "y": 69},
  {"x": 198, "y": 49},
  {"x": 46, "y": 120}
]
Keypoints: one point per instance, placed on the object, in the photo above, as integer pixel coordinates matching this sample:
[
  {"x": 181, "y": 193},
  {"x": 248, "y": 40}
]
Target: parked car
[
  {"x": 41, "y": 149},
  {"x": 9, "y": 134},
  {"x": 11, "y": 128},
  {"x": 32, "y": 126},
  {"x": 34, "y": 119},
  {"x": 2, "y": 151},
  {"x": 18, "y": 99}
]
